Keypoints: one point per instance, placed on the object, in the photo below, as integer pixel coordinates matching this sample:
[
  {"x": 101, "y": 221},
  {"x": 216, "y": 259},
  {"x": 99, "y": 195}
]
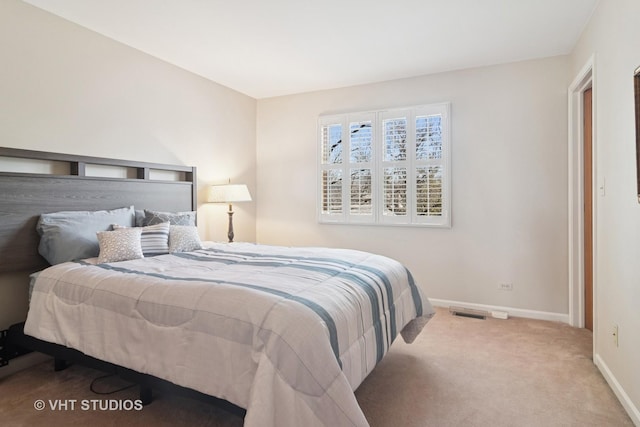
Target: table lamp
[{"x": 229, "y": 193}]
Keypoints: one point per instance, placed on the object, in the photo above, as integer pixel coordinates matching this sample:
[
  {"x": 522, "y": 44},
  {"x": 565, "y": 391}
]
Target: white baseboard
[
  {"x": 23, "y": 362},
  {"x": 514, "y": 312},
  {"x": 622, "y": 396}
]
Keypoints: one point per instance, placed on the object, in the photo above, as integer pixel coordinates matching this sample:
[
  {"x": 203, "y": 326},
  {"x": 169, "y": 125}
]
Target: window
[{"x": 386, "y": 167}]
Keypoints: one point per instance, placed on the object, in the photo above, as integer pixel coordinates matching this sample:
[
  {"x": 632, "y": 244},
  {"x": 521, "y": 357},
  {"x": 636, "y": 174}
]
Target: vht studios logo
[{"x": 88, "y": 405}]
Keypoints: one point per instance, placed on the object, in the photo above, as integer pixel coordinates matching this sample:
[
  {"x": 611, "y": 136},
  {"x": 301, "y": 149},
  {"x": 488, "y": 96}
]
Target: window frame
[{"x": 378, "y": 165}]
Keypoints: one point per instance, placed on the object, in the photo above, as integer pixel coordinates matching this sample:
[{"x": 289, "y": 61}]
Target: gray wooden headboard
[{"x": 24, "y": 196}]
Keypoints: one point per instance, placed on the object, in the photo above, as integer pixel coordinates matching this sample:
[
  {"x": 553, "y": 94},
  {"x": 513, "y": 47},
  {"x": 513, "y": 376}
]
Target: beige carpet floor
[{"x": 459, "y": 372}]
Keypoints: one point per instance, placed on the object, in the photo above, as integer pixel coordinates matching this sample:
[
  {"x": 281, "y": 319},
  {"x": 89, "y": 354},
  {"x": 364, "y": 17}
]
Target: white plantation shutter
[
  {"x": 332, "y": 190},
  {"x": 429, "y": 191},
  {"x": 331, "y": 164},
  {"x": 361, "y": 149},
  {"x": 395, "y": 128},
  {"x": 395, "y": 139},
  {"x": 395, "y": 192},
  {"x": 361, "y": 198},
  {"x": 386, "y": 167},
  {"x": 431, "y": 165},
  {"x": 360, "y": 141}
]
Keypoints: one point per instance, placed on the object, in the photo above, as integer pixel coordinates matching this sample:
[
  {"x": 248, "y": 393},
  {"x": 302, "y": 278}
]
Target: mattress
[{"x": 287, "y": 333}]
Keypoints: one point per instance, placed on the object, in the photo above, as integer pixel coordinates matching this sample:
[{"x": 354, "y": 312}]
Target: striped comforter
[{"x": 287, "y": 333}]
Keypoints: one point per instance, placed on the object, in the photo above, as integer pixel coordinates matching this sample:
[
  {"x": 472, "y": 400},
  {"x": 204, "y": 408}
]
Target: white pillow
[
  {"x": 183, "y": 238},
  {"x": 119, "y": 245}
]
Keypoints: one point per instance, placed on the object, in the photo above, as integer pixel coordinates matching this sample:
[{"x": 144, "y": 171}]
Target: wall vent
[{"x": 468, "y": 312}]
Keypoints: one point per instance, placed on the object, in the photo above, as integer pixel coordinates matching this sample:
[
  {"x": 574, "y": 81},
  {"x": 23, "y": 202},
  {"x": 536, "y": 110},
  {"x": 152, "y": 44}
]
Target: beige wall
[
  {"x": 509, "y": 175},
  {"x": 66, "y": 89},
  {"x": 613, "y": 37}
]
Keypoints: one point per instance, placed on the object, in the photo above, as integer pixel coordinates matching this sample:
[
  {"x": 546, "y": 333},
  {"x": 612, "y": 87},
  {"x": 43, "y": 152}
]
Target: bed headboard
[{"x": 24, "y": 196}]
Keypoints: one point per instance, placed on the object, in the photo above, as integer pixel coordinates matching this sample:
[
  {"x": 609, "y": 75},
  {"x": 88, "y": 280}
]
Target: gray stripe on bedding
[
  {"x": 284, "y": 257},
  {"x": 321, "y": 312},
  {"x": 328, "y": 266},
  {"x": 373, "y": 299},
  {"x": 381, "y": 299},
  {"x": 390, "y": 305}
]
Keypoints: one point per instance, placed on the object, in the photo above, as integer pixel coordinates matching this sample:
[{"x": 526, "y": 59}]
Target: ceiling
[{"x": 266, "y": 48}]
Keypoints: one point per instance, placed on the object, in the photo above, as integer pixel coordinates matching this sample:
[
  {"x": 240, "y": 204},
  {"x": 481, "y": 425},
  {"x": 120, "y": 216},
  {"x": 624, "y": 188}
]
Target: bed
[{"x": 286, "y": 333}]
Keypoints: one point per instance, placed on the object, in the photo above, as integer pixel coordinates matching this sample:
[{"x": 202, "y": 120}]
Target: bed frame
[{"x": 67, "y": 185}]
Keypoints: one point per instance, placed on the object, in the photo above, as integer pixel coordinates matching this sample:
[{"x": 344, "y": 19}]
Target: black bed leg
[
  {"x": 146, "y": 394},
  {"x": 59, "y": 364}
]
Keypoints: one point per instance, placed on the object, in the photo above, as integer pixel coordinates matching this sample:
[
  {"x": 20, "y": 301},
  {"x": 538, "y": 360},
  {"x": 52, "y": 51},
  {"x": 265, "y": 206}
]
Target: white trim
[
  {"x": 584, "y": 79},
  {"x": 622, "y": 396},
  {"x": 515, "y": 312}
]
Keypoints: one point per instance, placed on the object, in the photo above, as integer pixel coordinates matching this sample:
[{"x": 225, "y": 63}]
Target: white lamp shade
[{"x": 229, "y": 193}]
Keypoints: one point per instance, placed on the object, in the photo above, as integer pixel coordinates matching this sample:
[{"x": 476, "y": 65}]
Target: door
[{"x": 588, "y": 210}]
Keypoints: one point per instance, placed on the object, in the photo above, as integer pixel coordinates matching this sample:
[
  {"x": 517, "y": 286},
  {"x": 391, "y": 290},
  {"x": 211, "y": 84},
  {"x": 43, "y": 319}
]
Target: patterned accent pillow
[
  {"x": 119, "y": 245},
  {"x": 175, "y": 218},
  {"x": 154, "y": 239},
  {"x": 184, "y": 238}
]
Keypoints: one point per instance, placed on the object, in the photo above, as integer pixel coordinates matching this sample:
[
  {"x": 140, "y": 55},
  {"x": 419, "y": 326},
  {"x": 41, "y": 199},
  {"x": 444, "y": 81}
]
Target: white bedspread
[{"x": 287, "y": 333}]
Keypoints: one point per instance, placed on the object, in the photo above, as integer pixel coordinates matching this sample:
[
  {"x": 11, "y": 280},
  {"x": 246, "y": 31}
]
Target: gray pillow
[
  {"x": 174, "y": 218},
  {"x": 71, "y": 235},
  {"x": 139, "y": 217}
]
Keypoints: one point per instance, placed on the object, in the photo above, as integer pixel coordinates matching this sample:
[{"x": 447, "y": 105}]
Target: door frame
[{"x": 584, "y": 80}]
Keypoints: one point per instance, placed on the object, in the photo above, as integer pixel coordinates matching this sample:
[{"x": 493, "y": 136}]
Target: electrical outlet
[
  {"x": 601, "y": 187},
  {"x": 615, "y": 335},
  {"x": 506, "y": 286}
]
